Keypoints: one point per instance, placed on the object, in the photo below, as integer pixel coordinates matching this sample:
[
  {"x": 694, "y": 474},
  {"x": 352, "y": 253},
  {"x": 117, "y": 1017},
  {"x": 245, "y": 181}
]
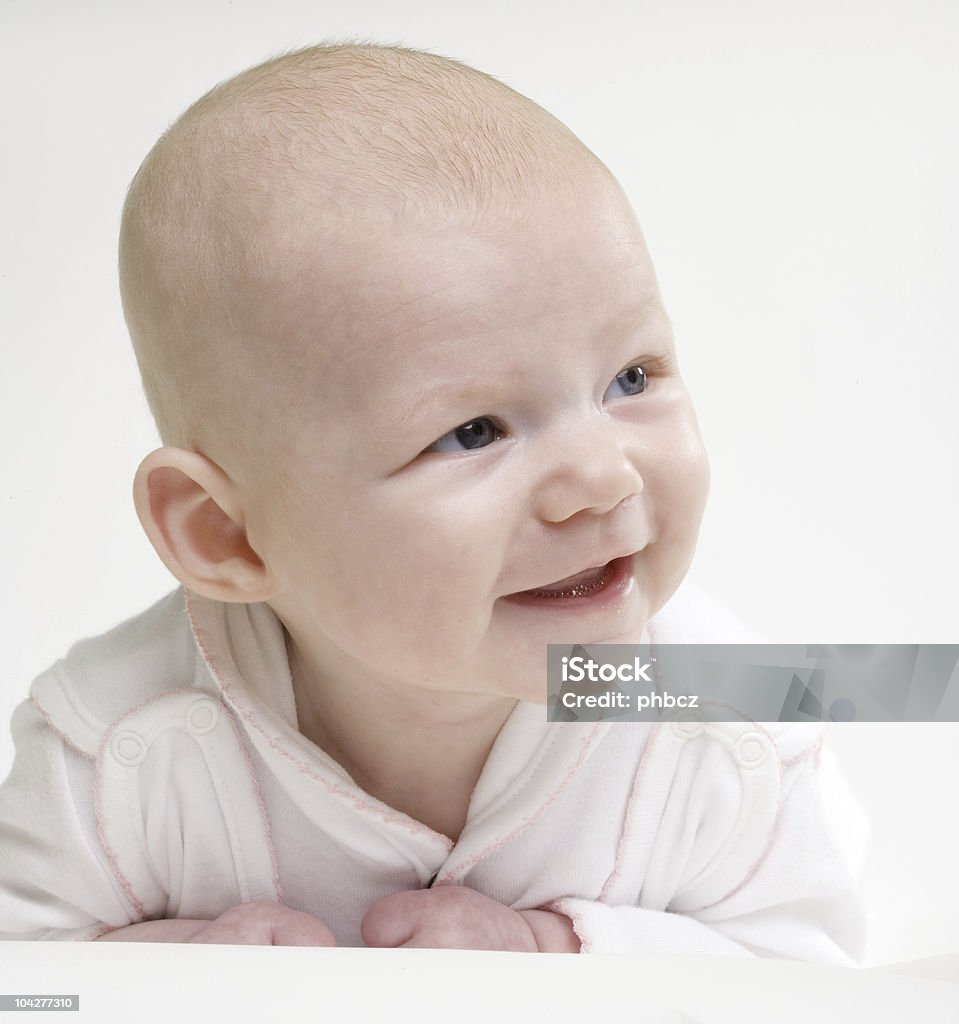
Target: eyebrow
[
  {"x": 650, "y": 320},
  {"x": 408, "y": 411}
]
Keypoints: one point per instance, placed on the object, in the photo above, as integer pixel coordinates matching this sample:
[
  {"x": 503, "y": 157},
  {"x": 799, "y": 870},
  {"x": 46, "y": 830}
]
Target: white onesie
[{"x": 159, "y": 773}]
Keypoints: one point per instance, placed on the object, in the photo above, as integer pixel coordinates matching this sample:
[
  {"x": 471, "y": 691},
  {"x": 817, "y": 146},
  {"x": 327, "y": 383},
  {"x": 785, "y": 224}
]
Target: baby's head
[{"x": 407, "y": 355}]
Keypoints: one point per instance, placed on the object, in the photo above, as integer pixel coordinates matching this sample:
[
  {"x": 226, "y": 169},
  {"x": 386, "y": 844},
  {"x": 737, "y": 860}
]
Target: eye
[
  {"x": 477, "y": 433},
  {"x": 631, "y": 381}
]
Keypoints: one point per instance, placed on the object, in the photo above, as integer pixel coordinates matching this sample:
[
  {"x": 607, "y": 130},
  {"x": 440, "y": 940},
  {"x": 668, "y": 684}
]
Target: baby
[{"x": 421, "y": 416}]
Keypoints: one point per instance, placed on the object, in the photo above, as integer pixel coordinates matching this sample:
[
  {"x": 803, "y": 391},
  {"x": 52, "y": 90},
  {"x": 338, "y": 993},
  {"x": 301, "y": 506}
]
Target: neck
[{"x": 419, "y": 751}]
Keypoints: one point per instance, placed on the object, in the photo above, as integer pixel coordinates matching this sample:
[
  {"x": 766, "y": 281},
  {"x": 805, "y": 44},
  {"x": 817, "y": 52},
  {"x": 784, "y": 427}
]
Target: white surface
[
  {"x": 794, "y": 168},
  {"x": 904, "y": 777},
  {"x": 150, "y": 983}
]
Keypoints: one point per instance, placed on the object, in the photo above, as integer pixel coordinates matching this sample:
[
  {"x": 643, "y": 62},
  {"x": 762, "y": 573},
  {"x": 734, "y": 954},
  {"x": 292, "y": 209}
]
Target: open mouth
[{"x": 582, "y": 585}]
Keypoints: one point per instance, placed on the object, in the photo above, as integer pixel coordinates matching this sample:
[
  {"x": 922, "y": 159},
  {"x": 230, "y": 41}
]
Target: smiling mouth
[{"x": 581, "y": 585}]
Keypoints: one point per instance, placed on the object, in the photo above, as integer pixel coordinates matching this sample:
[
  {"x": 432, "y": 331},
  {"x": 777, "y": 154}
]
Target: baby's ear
[{"x": 190, "y": 510}]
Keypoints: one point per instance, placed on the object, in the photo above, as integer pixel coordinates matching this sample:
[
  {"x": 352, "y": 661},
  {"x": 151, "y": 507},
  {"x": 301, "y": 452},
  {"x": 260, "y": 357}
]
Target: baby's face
[{"x": 485, "y": 416}]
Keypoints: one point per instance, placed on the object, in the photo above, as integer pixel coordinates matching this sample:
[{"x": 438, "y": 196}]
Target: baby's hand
[
  {"x": 249, "y": 924},
  {"x": 454, "y": 917}
]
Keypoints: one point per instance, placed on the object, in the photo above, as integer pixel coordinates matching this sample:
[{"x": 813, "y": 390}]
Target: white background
[{"x": 794, "y": 167}]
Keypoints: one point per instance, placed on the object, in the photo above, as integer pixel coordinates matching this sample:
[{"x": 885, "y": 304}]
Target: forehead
[
  {"x": 381, "y": 323},
  {"x": 410, "y": 297}
]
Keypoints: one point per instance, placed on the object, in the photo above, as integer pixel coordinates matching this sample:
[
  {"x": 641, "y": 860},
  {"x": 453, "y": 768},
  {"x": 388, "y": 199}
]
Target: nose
[{"x": 587, "y": 468}]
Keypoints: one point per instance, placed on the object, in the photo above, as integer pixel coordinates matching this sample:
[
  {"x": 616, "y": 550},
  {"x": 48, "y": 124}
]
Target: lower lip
[{"x": 607, "y": 590}]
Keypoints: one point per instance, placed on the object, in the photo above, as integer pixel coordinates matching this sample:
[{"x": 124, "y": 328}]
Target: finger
[
  {"x": 265, "y": 924},
  {"x": 393, "y": 920},
  {"x": 295, "y": 928}
]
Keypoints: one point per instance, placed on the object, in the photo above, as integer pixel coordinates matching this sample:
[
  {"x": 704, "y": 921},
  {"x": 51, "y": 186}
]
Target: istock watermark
[{"x": 761, "y": 682}]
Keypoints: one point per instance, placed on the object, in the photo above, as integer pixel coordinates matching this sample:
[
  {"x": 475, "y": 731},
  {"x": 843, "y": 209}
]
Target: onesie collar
[{"x": 243, "y": 646}]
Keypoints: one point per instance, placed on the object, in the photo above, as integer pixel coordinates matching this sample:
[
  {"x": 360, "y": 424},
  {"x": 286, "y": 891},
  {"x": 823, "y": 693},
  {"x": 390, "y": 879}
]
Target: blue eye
[
  {"x": 477, "y": 433},
  {"x": 631, "y": 381}
]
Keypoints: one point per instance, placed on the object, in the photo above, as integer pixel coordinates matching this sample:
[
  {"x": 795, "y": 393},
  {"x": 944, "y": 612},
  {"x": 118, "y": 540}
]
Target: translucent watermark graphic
[{"x": 761, "y": 682}]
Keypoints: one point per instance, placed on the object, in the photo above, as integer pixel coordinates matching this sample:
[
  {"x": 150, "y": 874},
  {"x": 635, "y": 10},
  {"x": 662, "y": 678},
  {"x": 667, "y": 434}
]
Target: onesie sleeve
[
  {"x": 55, "y": 879},
  {"x": 795, "y": 899}
]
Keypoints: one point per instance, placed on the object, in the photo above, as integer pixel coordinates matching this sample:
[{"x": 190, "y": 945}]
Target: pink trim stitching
[
  {"x": 267, "y": 833},
  {"x": 630, "y": 810},
  {"x": 125, "y": 885},
  {"x": 45, "y": 715},
  {"x": 413, "y": 827},
  {"x": 772, "y": 831},
  {"x": 98, "y": 800},
  {"x": 463, "y": 868},
  {"x": 561, "y": 906},
  {"x": 815, "y": 748}
]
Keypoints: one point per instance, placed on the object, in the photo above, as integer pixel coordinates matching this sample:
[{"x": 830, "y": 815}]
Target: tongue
[{"x": 585, "y": 577}]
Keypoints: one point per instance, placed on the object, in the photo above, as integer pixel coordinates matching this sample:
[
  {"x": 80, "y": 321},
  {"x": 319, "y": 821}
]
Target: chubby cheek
[
  {"x": 679, "y": 480},
  {"x": 412, "y": 570}
]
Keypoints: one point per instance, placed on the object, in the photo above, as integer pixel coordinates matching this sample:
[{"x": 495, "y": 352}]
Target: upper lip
[{"x": 601, "y": 560}]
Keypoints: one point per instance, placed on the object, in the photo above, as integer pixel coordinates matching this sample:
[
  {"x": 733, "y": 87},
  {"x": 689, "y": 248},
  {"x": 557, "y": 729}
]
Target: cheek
[
  {"x": 416, "y": 557},
  {"x": 449, "y": 544},
  {"x": 678, "y": 483},
  {"x": 692, "y": 483}
]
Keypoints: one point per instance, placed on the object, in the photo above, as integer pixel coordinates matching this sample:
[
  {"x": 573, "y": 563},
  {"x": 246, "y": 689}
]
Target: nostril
[{"x": 588, "y": 470}]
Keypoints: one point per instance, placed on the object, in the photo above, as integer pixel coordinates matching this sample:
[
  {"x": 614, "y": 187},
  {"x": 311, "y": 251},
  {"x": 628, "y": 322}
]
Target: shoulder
[
  {"x": 693, "y": 616},
  {"x": 101, "y": 678}
]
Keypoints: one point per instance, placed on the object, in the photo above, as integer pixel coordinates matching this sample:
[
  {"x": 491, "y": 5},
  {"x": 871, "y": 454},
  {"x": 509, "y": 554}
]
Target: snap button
[
  {"x": 128, "y": 748},
  {"x": 750, "y": 749},
  {"x": 202, "y": 716},
  {"x": 689, "y": 725}
]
